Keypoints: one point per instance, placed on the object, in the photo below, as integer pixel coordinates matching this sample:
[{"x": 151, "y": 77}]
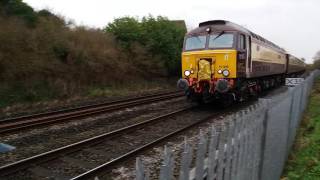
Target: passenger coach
[{"x": 224, "y": 61}]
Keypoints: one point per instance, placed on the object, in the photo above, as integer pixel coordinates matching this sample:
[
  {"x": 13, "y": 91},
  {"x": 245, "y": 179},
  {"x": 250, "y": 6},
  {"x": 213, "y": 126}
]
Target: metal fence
[{"x": 251, "y": 145}]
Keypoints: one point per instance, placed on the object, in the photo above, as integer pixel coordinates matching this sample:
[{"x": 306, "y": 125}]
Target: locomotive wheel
[{"x": 243, "y": 94}]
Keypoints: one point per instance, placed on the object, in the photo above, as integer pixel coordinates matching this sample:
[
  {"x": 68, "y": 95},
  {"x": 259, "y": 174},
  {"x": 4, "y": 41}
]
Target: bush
[
  {"x": 127, "y": 30},
  {"x": 160, "y": 36},
  {"x": 19, "y": 8},
  {"x": 316, "y": 64}
]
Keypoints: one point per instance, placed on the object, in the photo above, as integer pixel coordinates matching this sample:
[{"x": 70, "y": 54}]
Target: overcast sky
[{"x": 291, "y": 24}]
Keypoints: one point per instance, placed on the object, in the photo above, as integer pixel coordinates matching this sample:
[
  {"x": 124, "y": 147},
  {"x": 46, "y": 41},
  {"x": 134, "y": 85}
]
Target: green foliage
[
  {"x": 163, "y": 38},
  {"x": 316, "y": 64},
  {"x": 19, "y": 8},
  {"x": 304, "y": 161},
  {"x": 51, "y": 17},
  {"x": 127, "y": 30},
  {"x": 19, "y": 93}
]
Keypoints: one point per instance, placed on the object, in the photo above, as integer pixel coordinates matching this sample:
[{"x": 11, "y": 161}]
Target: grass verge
[{"x": 304, "y": 160}]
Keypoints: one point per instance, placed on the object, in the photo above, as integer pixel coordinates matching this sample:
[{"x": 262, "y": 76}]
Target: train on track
[{"x": 225, "y": 62}]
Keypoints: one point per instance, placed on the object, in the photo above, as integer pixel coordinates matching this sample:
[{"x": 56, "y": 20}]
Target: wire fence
[{"x": 253, "y": 144}]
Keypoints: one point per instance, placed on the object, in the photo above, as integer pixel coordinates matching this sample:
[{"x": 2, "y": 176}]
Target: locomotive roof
[
  {"x": 218, "y": 25},
  {"x": 222, "y": 25}
]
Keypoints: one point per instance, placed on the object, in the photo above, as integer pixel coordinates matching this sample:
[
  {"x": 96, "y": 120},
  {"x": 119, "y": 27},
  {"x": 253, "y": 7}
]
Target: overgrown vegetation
[
  {"x": 42, "y": 57},
  {"x": 161, "y": 37},
  {"x": 304, "y": 161},
  {"x": 316, "y": 58}
]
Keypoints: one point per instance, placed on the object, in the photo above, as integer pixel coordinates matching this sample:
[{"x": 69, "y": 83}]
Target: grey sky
[{"x": 291, "y": 24}]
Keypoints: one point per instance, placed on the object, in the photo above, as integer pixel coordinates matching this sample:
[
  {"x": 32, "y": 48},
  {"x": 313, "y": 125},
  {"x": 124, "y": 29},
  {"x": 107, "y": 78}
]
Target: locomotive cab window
[
  {"x": 195, "y": 42},
  {"x": 221, "y": 40},
  {"x": 242, "y": 41}
]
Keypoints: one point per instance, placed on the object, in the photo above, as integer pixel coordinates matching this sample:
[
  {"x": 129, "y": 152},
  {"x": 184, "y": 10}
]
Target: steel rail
[
  {"x": 80, "y": 113},
  {"x": 45, "y": 114},
  {"x": 102, "y": 168},
  {"x": 54, "y": 154}
]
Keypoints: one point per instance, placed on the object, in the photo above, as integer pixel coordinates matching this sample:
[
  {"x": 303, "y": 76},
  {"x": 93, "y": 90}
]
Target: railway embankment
[{"x": 304, "y": 159}]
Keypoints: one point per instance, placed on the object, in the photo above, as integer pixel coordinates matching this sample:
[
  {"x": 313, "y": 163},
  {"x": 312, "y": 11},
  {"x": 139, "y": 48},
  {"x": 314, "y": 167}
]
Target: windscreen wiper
[{"x": 220, "y": 34}]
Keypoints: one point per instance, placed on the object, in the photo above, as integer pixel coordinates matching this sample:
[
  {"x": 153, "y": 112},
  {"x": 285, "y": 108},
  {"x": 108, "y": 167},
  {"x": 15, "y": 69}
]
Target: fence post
[
  {"x": 202, "y": 149},
  {"x": 236, "y": 144},
  {"x": 186, "y": 161},
  {"x": 221, "y": 151},
  {"x": 140, "y": 171},
  {"x": 212, "y": 154},
  {"x": 229, "y": 150},
  {"x": 258, "y": 139},
  {"x": 167, "y": 166},
  {"x": 291, "y": 93},
  {"x": 263, "y": 136},
  {"x": 301, "y": 102},
  {"x": 243, "y": 146}
]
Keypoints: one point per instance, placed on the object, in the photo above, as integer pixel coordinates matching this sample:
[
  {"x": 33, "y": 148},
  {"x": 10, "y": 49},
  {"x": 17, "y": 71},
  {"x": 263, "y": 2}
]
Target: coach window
[{"x": 242, "y": 41}]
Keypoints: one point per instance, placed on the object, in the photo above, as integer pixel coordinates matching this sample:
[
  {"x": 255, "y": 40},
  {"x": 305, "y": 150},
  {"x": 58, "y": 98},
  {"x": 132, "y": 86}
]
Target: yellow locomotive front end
[{"x": 209, "y": 65}]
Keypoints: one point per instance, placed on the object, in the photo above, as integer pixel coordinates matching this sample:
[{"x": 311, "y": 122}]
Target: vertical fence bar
[
  {"x": 166, "y": 170},
  {"x": 236, "y": 139},
  {"x": 140, "y": 171},
  {"x": 202, "y": 149},
  {"x": 263, "y": 135},
  {"x": 290, "y": 119},
  {"x": 221, "y": 151},
  {"x": 243, "y": 149},
  {"x": 259, "y": 138},
  {"x": 301, "y": 102},
  {"x": 186, "y": 161},
  {"x": 212, "y": 159},
  {"x": 229, "y": 150}
]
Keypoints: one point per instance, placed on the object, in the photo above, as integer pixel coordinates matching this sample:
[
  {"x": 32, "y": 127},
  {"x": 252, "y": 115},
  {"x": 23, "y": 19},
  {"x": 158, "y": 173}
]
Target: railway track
[
  {"x": 42, "y": 119},
  {"x": 90, "y": 157}
]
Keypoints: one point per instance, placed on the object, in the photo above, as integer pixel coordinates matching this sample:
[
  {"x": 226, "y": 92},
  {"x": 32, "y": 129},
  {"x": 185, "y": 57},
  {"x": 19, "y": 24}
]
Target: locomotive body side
[
  {"x": 266, "y": 60},
  {"x": 295, "y": 66}
]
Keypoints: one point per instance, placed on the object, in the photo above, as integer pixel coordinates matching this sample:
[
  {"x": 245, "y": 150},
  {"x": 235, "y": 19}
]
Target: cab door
[
  {"x": 249, "y": 61},
  {"x": 242, "y": 55}
]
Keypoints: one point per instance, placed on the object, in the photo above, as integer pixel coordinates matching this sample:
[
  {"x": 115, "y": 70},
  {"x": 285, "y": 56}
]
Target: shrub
[
  {"x": 162, "y": 38},
  {"x": 19, "y": 8},
  {"x": 316, "y": 62}
]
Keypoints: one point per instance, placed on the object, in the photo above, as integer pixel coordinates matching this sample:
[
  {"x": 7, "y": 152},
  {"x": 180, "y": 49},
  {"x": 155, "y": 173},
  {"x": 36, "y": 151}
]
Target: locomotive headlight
[
  {"x": 187, "y": 73},
  {"x": 225, "y": 73},
  {"x": 219, "y": 71}
]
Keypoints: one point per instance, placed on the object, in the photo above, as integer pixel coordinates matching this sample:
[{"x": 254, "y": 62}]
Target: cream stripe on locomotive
[
  {"x": 266, "y": 54},
  {"x": 266, "y": 60}
]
